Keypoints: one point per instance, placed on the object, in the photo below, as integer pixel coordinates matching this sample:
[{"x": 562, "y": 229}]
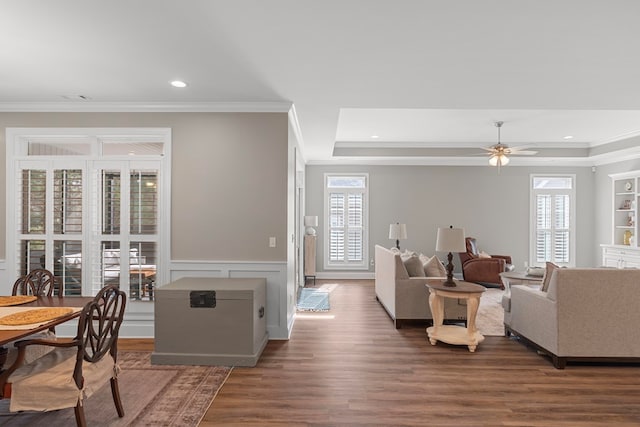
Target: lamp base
[
  {"x": 449, "y": 282},
  {"x": 310, "y": 231}
]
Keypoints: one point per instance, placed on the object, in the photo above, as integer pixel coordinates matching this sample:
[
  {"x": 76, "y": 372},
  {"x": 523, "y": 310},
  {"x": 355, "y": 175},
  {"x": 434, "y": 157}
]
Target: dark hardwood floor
[{"x": 350, "y": 367}]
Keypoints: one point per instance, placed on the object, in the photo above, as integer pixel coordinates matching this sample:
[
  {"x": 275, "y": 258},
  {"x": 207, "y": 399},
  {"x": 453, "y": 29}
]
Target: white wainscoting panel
[
  {"x": 139, "y": 322},
  {"x": 274, "y": 272}
]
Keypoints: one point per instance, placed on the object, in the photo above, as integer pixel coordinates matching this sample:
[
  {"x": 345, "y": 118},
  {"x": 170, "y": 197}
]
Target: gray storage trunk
[{"x": 210, "y": 321}]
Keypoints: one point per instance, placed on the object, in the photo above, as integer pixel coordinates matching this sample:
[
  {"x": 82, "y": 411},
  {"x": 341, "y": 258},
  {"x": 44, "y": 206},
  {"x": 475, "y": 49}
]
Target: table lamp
[
  {"x": 397, "y": 231},
  {"x": 450, "y": 240}
]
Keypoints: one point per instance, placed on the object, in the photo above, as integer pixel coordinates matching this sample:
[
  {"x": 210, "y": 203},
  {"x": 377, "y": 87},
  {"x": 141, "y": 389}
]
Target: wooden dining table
[{"x": 9, "y": 335}]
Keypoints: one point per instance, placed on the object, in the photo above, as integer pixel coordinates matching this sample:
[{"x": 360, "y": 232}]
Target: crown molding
[
  {"x": 148, "y": 107},
  {"x": 422, "y": 144},
  {"x": 450, "y": 161},
  {"x": 616, "y": 138},
  {"x": 297, "y": 132}
]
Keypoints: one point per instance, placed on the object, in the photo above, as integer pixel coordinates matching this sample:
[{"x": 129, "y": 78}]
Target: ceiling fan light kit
[
  {"x": 498, "y": 160},
  {"x": 498, "y": 152}
]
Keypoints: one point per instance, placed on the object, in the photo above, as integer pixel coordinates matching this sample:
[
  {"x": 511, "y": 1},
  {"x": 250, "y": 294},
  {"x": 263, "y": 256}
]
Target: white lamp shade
[
  {"x": 310, "y": 221},
  {"x": 450, "y": 240},
  {"x": 498, "y": 160},
  {"x": 397, "y": 231}
]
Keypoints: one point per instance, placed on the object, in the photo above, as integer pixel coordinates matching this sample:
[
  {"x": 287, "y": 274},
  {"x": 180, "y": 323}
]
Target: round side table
[{"x": 454, "y": 334}]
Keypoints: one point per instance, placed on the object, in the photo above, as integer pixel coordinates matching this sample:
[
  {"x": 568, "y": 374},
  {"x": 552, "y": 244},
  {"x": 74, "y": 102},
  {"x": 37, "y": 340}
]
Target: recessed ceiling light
[
  {"x": 178, "y": 83},
  {"x": 375, "y": 136},
  {"x": 568, "y": 137}
]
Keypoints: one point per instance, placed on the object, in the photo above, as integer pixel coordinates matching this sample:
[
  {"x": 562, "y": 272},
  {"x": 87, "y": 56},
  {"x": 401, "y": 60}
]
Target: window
[
  {"x": 84, "y": 198},
  {"x": 346, "y": 221},
  {"x": 552, "y": 220}
]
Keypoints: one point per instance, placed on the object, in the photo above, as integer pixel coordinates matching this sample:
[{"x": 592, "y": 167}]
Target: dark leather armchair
[{"x": 483, "y": 270}]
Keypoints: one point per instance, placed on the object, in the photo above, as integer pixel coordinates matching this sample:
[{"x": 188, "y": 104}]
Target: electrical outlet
[{"x": 272, "y": 242}]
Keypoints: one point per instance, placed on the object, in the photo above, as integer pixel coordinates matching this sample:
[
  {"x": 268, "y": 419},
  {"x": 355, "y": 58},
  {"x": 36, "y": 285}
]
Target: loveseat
[
  {"x": 585, "y": 314},
  {"x": 405, "y": 297}
]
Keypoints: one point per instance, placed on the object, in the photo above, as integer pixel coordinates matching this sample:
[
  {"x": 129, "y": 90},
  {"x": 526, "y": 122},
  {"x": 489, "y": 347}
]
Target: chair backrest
[
  {"x": 39, "y": 282},
  {"x": 22, "y": 286},
  {"x": 472, "y": 247},
  {"x": 472, "y": 250},
  {"x": 99, "y": 324}
]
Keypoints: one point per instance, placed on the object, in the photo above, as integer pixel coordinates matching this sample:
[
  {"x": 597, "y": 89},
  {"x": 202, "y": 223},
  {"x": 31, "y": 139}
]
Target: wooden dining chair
[
  {"x": 39, "y": 282},
  {"x": 75, "y": 369}
]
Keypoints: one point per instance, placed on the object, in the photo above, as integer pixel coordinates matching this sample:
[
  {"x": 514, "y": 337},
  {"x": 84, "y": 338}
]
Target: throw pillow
[
  {"x": 549, "y": 268},
  {"x": 407, "y": 253},
  {"x": 423, "y": 258},
  {"x": 414, "y": 266},
  {"x": 434, "y": 268},
  {"x": 483, "y": 254}
]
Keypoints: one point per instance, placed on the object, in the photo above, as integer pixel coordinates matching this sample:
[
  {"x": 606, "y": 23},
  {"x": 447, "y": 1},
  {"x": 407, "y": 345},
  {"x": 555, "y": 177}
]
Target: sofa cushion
[
  {"x": 433, "y": 267},
  {"x": 414, "y": 266},
  {"x": 549, "y": 268}
]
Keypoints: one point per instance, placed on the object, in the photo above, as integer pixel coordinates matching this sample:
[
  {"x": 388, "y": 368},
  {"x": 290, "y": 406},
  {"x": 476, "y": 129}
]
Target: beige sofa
[
  {"x": 585, "y": 315},
  {"x": 404, "y": 297}
]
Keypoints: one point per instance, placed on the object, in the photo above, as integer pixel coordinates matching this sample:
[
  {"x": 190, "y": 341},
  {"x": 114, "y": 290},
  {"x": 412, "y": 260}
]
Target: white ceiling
[{"x": 429, "y": 78}]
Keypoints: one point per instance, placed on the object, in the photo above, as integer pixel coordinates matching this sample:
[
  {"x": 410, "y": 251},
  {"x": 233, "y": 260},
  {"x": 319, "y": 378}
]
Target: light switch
[{"x": 272, "y": 242}]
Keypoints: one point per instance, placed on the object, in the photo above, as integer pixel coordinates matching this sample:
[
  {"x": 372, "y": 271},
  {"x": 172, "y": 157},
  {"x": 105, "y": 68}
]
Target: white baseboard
[{"x": 345, "y": 275}]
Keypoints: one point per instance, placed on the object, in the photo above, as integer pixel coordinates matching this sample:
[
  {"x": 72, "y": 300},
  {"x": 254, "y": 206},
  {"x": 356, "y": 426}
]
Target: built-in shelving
[
  {"x": 624, "y": 251},
  {"x": 626, "y": 191}
]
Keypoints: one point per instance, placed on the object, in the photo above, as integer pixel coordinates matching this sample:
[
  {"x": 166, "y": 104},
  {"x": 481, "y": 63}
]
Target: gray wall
[
  {"x": 229, "y": 178},
  {"x": 492, "y": 207}
]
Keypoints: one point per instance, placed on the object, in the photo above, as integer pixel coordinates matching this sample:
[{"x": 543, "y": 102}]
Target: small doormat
[{"x": 313, "y": 299}]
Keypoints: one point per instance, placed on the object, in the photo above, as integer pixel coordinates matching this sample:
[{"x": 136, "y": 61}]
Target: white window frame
[
  {"x": 363, "y": 265},
  {"x": 572, "y": 216},
  {"x": 16, "y": 153}
]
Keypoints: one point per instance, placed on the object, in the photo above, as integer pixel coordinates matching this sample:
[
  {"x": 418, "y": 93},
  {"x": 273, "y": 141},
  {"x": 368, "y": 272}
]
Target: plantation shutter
[
  {"x": 346, "y": 245},
  {"x": 561, "y": 229},
  {"x": 67, "y": 201},
  {"x": 552, "y": 228},
  {"x": 143, "y": 204},
  {"x": 355, "y": 243},
  {"x": 336, "y": 221}
]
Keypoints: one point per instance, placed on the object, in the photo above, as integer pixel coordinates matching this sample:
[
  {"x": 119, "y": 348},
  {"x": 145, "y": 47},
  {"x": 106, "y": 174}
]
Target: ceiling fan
[{"x": 498, "y": 152}]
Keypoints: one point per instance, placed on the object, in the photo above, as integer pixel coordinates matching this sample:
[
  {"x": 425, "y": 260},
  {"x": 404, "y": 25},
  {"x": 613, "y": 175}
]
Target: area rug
[
  {"x": 490, "y": 317},
  {"x": 313, "y": 299},
  {"x": 159, "y": 395}
]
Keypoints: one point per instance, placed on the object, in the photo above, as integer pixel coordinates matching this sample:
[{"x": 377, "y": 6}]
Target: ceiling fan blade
[
  {"x": 523, "y": 152},
  {"x": 520, "y": 147}
]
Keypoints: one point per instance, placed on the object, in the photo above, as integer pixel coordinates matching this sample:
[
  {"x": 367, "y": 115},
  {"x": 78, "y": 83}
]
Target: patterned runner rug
[{"x": 166, "y": 395}]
